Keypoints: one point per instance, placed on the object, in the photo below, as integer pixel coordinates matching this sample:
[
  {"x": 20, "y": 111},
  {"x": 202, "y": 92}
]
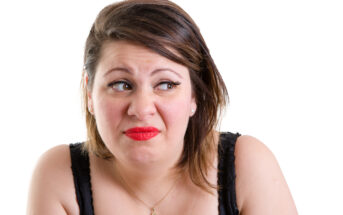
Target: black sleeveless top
[{"x": 226, "y": 176}]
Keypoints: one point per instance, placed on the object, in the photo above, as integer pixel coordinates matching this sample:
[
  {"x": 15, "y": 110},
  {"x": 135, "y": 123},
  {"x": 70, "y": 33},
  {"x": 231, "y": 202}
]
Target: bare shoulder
[
  {"x": 52, "y": 189},
  {"x": 260, "y": 185}
]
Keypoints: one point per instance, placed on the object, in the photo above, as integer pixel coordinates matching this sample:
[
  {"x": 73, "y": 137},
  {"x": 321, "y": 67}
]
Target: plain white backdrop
[{"x": 282, "y": 62}]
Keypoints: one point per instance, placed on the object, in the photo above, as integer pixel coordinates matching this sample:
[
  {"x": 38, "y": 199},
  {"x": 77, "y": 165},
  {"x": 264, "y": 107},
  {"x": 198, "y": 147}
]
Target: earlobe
[
  {"x": 90, "y": 106},
  {"x": 90, "y": 102},
  {"x": 193, "y": 109},
  {"x": 89, "y": 97}
]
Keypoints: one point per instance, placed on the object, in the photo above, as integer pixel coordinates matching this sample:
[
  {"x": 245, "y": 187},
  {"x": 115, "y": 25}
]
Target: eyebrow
[
  {"x": 166, "y": 69},
  {"x": 122, "y": 69}
]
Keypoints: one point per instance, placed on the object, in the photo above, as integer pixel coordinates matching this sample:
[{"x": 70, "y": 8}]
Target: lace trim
[{"x": 227, "y": 204}]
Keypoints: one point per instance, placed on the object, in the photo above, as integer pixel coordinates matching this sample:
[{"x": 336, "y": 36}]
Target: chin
[{"x": 139, "y": 153}]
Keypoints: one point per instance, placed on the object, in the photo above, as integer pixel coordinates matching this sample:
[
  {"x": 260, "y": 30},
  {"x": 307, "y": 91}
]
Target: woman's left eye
[{"x": 167, "y": 85}]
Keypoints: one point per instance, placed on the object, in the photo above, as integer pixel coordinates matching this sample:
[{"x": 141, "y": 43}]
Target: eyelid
[
  {"x": 173, "y": 83},
  {"x": 117, "y": 82},
  {"x": 111, "y": 84}
]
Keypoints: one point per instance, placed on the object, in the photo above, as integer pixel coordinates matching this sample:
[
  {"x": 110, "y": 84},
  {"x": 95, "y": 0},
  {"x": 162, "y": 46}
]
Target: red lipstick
[{"x": 142, "y": 133}]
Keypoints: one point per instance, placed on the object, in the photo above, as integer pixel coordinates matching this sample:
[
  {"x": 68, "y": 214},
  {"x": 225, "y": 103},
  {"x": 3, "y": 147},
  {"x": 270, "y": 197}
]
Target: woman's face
[{"x": 142, "y": 103}]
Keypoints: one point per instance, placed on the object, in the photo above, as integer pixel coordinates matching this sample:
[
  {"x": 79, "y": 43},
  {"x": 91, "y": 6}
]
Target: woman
[{"x": 152, "y": 94}]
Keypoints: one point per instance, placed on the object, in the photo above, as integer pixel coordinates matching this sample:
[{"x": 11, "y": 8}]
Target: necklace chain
[{"x": 152, "y": 208}]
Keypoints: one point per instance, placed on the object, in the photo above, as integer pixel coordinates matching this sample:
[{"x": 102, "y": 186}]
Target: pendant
[{"x": 153, "y": 212}]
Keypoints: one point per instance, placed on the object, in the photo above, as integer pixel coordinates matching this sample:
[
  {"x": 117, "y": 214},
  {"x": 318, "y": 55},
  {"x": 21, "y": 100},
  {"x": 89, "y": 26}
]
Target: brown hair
[{"x": 166, "y": 29}]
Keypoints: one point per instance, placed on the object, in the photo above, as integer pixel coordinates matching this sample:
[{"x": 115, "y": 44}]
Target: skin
[
  {"x": 132, "y": 87},
  {"x": 141, "y": 94}
]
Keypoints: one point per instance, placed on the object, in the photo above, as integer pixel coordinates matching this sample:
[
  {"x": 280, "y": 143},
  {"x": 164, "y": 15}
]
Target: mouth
[{"x": 142, "y": 133}]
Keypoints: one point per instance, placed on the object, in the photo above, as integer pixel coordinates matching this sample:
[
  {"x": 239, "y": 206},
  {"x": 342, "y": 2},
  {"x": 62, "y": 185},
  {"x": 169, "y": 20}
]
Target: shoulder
[
  {"x": 250, "y": 149},
  {"x": 260, "y": 184},
  {"x": 52, "y": 187}
]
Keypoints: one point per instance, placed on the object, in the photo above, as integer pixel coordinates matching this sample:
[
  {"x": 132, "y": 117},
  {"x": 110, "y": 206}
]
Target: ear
[
  {"x": 89, "y": 95},
  {"x": 193, "y": 106}
]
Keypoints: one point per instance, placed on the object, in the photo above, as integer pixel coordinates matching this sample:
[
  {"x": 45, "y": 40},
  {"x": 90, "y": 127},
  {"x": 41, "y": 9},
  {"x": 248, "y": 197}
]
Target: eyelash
[
  {"x": 171, "y": 84},
  {"x": 112, "y": 84}
]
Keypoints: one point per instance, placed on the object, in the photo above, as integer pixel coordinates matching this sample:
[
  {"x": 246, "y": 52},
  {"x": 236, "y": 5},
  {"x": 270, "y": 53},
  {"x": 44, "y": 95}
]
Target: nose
[{"x": 142, "y": 106}]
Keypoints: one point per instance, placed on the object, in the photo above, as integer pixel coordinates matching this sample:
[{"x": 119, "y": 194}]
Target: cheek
[
  {"x": 108, "y": 114},
  {"x": 176, "y": 114}
]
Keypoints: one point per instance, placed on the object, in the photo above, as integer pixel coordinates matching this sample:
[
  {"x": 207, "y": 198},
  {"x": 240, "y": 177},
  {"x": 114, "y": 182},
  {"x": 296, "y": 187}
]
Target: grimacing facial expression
[{"x": 142, "y": 103}]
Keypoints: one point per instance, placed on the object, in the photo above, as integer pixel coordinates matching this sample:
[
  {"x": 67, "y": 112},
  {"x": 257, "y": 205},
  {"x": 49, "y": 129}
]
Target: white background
[{"x": 282, "y": 62}]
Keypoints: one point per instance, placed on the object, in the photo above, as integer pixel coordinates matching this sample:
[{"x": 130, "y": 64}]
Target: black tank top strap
[
  {"x": 81, "y": 173},
  {"x": 226, "y": 174}
]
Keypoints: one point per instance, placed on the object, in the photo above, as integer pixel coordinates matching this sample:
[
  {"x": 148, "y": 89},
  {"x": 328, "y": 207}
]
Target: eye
[
  {"x": 120, "y": 86},
  {"x": 167, "y": 85}
]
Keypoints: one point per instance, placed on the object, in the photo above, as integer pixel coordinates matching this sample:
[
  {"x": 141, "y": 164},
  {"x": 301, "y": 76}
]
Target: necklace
[{"x": 152, "y": 208}]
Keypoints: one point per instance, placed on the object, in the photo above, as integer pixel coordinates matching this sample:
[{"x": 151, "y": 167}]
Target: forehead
[{"x": 123, "y": 53}]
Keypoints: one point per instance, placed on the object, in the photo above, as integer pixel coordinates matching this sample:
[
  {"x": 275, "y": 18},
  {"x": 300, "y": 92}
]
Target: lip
[{"x": 142, "y": 133}]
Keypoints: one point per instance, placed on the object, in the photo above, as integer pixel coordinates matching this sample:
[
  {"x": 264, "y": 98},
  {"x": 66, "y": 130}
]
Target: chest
[
  {"x": 110, "y": 197},
  {"x": 114, "y": 200}
]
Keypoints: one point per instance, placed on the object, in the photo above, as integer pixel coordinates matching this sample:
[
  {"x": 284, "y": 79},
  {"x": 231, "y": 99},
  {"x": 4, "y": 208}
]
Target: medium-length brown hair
[{"x": 165, "y": 28}]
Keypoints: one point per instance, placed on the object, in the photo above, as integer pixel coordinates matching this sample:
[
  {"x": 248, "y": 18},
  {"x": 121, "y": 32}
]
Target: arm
[
  {"x": 261, "y": 187},
  {"x": 52, "y": 189}
]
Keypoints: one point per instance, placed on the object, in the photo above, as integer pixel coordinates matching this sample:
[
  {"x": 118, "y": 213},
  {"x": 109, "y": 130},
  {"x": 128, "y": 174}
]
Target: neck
[{"x": 148, "y": 184}]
